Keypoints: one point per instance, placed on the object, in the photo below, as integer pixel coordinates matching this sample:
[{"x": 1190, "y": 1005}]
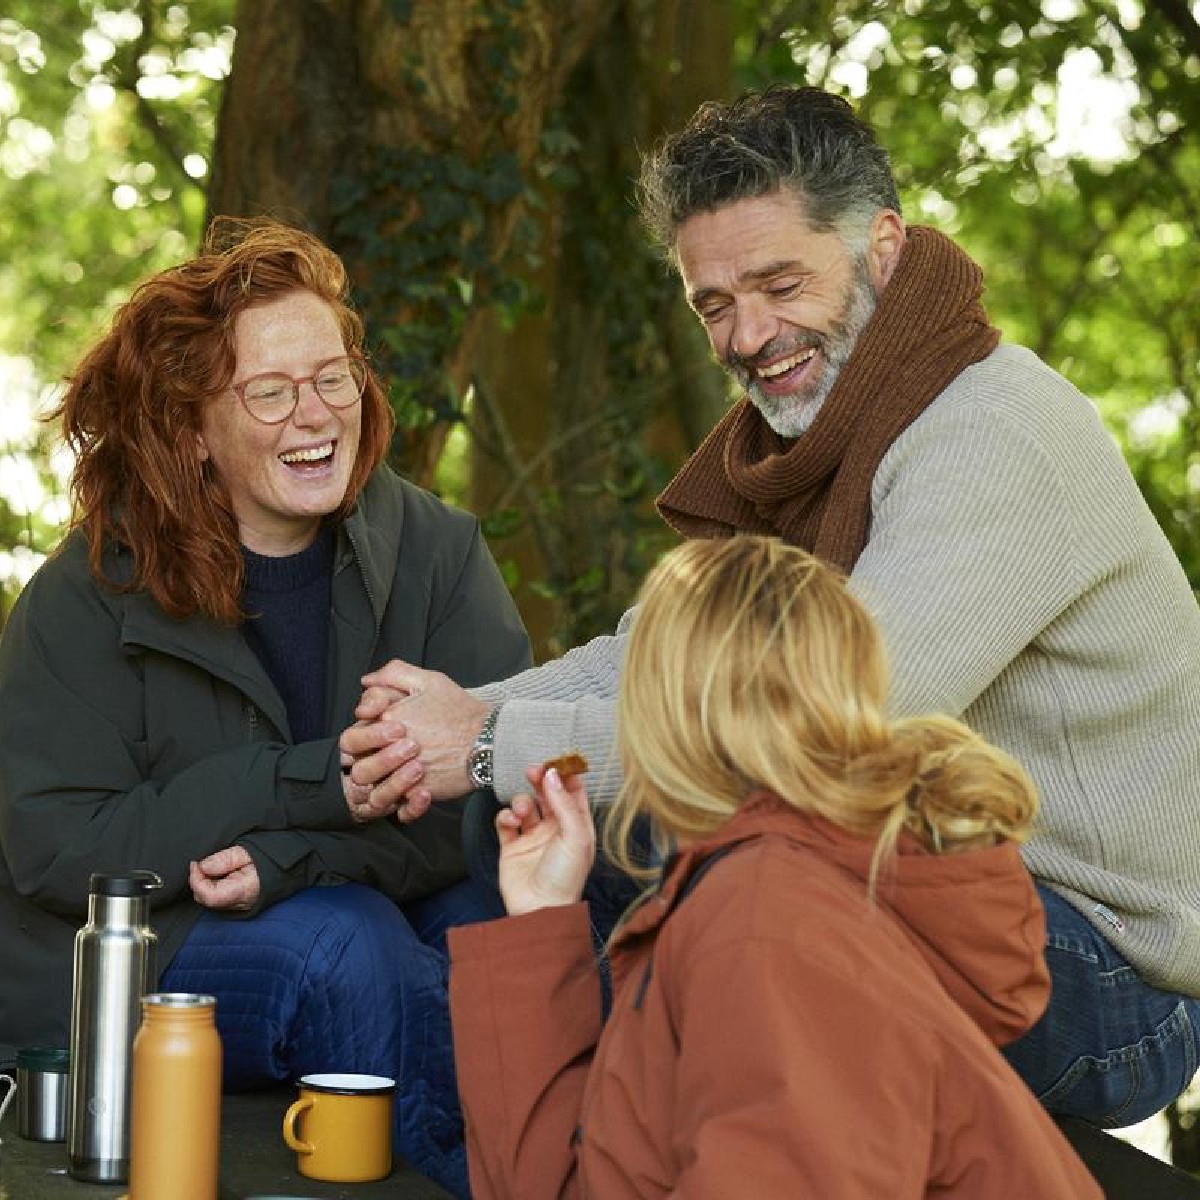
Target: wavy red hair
[{"x": 133, "y": 408}]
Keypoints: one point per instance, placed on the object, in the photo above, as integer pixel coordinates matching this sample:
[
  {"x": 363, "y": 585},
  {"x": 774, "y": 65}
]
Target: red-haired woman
[{"x": 174, "y": 679}]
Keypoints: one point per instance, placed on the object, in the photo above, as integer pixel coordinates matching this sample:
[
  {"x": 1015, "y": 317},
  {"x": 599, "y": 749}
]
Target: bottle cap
[
  {"x": 179, "y": 1000},
  {"x": 124, "y": 883}
]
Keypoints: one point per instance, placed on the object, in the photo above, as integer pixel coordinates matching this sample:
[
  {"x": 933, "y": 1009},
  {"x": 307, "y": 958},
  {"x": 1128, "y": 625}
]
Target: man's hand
[
  {"x": 547, "y": 845},
  {"x": 225, "y": 880},
  {"x": 409, "y": 718}
]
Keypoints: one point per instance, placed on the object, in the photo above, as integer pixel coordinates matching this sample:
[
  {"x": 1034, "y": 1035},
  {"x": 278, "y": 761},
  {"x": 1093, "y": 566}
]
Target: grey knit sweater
[{"x": 1023, "y": 585}]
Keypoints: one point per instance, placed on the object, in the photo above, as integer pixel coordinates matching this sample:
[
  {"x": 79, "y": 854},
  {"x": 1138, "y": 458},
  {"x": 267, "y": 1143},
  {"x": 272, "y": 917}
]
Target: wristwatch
[{"x": 479, "y": 761}]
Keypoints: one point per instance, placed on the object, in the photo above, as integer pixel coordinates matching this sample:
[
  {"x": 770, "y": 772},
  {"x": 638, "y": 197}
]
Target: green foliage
[
  {"x": 1090, "y": 259},
  {"x": 103, "y": 107},
  {"x": 422, "y": 283},
  {"x": 99, "y": 108}
]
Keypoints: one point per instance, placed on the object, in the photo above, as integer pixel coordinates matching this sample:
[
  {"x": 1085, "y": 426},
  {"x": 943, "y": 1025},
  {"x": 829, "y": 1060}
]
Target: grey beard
[{"x": 790, "y": 416}]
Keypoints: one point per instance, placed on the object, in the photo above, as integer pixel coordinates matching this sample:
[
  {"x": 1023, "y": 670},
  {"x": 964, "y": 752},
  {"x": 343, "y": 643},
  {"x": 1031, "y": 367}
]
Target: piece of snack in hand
[{"x": 567, "y": 765}]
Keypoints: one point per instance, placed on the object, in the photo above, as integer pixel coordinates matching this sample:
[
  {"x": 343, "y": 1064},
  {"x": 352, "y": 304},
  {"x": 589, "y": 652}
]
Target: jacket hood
[{"x": 974, "y": 917}]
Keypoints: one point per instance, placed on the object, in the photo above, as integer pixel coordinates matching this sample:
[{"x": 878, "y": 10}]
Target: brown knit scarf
[{"x": 815, "y": 490}]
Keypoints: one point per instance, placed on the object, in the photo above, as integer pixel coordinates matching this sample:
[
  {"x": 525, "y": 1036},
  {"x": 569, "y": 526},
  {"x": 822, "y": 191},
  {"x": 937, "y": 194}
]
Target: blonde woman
[{"x": 809, "y": 1002}]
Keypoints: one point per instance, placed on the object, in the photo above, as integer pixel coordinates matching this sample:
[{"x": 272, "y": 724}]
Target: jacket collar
[
  {"x": 762, "y": 815},
  {"x": 369, "y": 539}
]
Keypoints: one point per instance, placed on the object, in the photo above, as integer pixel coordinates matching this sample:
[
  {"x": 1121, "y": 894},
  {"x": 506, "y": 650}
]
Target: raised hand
[{"x": 547, "y": 843}]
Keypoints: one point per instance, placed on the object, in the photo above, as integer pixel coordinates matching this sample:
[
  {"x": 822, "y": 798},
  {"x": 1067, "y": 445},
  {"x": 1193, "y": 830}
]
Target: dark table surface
[{"x": 254, "y": 1162}]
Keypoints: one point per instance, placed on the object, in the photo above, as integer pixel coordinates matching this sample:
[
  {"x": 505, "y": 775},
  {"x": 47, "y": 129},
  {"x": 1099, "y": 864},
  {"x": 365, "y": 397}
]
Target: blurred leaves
[
  {"x": 91, "y": 98},
  {"x": 1056, "y": 140}
]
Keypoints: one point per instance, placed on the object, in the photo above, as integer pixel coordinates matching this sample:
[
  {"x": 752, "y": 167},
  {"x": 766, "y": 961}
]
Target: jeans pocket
[
  {"x": 1103, "y": 1088},
  {"x": 1132, "y": 1082}
]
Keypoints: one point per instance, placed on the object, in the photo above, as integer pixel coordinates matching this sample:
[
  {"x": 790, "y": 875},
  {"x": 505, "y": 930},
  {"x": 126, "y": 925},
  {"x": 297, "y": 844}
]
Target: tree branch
[
  {"x": 1130, "y": 200},
  {"x": 1178, "y": 15},
  {"x": 147, "y": 117},
  {"x": 490, "y": 413}
]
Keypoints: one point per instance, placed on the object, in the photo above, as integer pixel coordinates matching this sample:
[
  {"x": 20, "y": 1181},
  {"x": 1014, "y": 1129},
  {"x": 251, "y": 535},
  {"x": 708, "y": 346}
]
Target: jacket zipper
[{"x": 360, "y": 566}]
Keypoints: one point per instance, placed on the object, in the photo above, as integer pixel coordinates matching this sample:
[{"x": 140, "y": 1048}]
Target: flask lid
[
  {"x": 44, "y": 1058},
  {"x": 124, "y": 883},
  {"x": 179, "y": 1000}
]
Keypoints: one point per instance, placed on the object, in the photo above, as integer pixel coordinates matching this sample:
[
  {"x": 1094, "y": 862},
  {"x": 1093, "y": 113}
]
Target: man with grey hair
[{"x": 984, "y": 516}]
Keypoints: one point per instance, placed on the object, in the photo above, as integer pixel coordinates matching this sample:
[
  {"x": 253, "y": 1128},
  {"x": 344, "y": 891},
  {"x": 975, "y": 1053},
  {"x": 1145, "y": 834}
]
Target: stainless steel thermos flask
[{"x": 114, "y": 968}]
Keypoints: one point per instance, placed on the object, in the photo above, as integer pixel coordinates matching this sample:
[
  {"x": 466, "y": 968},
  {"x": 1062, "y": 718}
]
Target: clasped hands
[{"x": 408, "y": 747}]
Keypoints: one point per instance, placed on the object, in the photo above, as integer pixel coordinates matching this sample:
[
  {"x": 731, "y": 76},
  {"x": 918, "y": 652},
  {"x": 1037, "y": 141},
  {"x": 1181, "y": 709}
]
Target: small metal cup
[
  {"x": 42, "y": 1094},
  {"x": 10, "y": 1090}
]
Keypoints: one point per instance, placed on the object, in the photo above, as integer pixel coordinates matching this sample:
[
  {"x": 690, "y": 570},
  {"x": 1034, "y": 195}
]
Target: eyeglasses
[{"x": 272, "y": 398}]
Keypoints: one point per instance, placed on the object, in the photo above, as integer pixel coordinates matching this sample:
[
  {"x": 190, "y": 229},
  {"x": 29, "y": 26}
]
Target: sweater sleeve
[
  {"x": 525, "y": 1007},
  {"x": 567, "y": 704},
  {"x": 972, "y": 553}
]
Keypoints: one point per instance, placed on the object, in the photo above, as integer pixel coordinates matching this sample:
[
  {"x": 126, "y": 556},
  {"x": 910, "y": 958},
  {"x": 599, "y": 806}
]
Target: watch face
[{"x": 479, "y": 767}]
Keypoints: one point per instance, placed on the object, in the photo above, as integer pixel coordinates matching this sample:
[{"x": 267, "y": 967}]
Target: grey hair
[{"x": 801, "y": 139}]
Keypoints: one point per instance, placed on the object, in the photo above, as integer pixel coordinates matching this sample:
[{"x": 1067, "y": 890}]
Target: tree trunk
[
  {"x": 584, "y": 407},
  {"x": 402, "y": 135}
]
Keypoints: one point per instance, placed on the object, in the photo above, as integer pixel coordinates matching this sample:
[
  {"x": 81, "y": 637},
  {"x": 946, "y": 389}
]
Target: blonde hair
[{"x": 751, "y": 667}]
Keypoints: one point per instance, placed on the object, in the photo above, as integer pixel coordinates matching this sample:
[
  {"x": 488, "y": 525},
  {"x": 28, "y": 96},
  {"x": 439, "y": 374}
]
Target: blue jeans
[
  {"x": 1109, "y": 1048},
  {"x": 341, "y": 979}
]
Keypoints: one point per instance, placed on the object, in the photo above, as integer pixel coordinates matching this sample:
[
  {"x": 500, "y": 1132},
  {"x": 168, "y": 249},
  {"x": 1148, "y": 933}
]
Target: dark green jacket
[{"x": 129, "y": 739}]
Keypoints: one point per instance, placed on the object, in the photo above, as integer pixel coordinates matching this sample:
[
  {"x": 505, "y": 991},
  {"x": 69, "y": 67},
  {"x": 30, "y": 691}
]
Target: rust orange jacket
[{"x": 775, "y": 1032}]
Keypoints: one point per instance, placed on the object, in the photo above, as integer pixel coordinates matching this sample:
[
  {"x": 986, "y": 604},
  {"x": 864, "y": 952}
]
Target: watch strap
[{"x": 480, "y": 766}]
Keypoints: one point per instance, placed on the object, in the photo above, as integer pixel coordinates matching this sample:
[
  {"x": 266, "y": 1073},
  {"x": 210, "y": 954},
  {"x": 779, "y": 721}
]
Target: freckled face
[
  {"x": 782, "y": 303},
  {"x": 282, "y": 479}
]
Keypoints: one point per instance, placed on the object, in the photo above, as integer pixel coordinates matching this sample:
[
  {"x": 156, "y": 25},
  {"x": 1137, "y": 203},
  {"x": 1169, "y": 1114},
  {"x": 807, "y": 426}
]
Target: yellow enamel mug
[{"x": 341, "y": 1127}]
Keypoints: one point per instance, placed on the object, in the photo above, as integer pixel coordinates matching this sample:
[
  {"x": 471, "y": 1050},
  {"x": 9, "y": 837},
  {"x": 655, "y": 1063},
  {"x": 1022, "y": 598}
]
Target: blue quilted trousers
[{"x": 341, "y": 979}]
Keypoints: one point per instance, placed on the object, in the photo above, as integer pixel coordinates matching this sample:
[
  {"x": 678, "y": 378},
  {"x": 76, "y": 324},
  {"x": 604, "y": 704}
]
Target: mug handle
[
  {"x": 12, "y": 1091},
  {"x": 289, "y": 1126}
]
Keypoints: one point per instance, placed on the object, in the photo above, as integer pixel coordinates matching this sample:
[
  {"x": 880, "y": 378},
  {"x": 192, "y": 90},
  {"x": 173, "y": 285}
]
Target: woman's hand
[
  {"x": 414, "y": 731},
  {"x": 368, "y": 802},
  {"x": 547, "y": 844},
  {"x": 225, "y": 880}
]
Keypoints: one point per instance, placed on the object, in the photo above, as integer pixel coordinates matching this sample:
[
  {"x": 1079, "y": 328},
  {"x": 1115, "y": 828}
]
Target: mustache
[{"x": 774, "y": 349}]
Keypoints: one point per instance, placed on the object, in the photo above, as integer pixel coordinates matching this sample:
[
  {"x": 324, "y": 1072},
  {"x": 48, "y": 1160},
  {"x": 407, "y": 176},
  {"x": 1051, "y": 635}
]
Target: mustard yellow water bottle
[{"x": 176, "y": 1111}]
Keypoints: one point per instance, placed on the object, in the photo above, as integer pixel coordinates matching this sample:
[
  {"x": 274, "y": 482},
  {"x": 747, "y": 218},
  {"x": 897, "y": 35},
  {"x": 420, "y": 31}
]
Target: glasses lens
[
  {"x": 269, "y": 397},
  {"x": 340, "y": 382}
]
